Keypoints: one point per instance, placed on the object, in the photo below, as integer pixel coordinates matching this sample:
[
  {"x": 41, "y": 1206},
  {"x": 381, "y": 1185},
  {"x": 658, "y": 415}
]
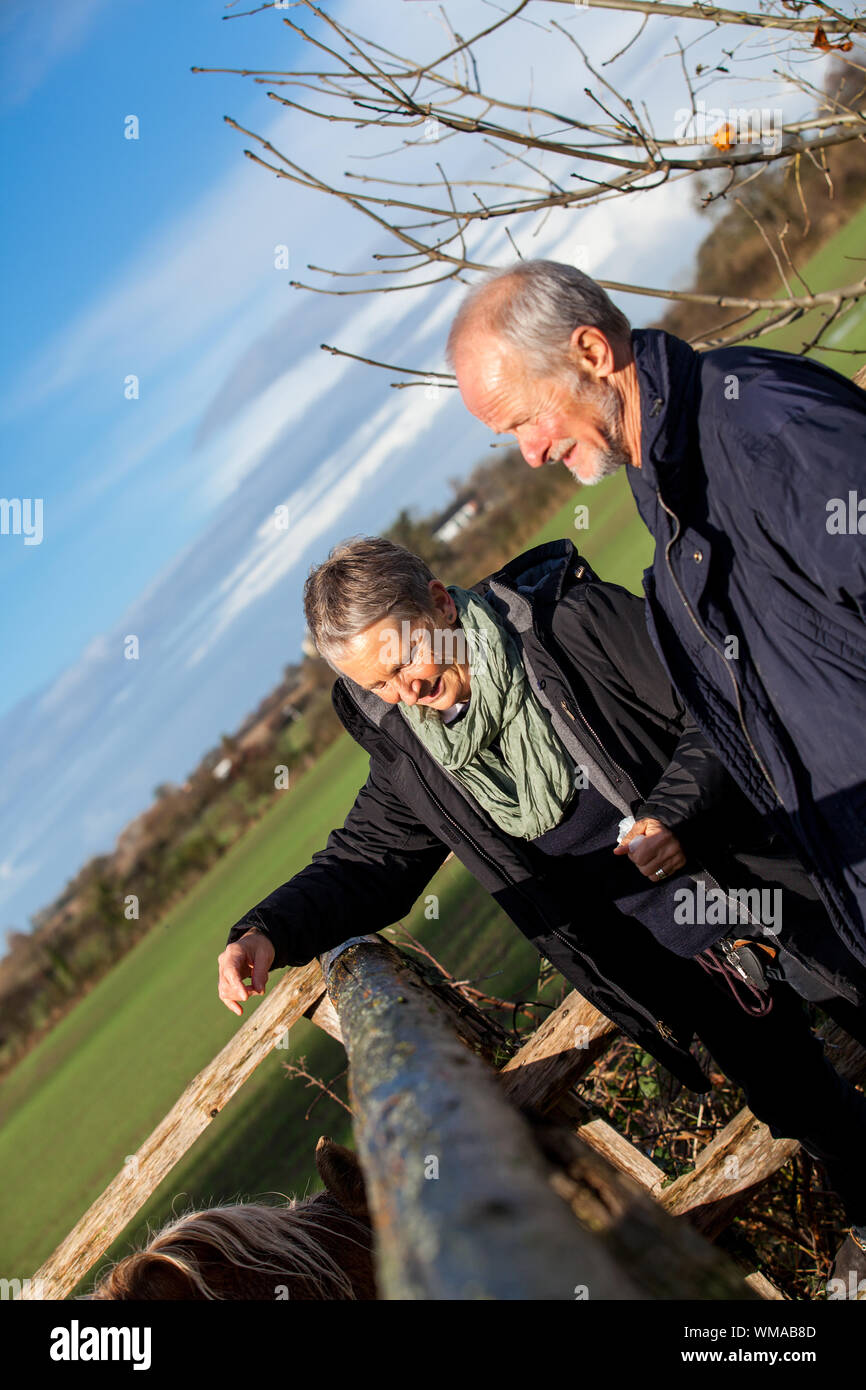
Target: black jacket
[
  {"x": 587, "y": 652},
  {"x": 752, "y": 483}
]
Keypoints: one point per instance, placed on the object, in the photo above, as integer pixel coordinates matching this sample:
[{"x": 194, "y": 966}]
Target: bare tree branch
[
  {"x": 713, "y": 14},
  {"x": 552, "y": 160}
]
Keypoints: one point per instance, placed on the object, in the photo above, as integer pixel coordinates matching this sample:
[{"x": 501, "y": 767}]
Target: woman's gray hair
[
  {"x": 364, "y": 580},
  {"x": 536, "y": 306}
]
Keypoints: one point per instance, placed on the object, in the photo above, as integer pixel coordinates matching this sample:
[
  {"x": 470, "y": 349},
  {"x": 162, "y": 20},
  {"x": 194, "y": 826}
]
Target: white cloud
[
  {"x": 60, "y": 691},
  {"x": 296, "y": 394},
  {"x": 314, "y": 509},
  {"x": 182, "y": 392},
  {"x": 13, "y": 876},
  {"x": 196, "y": 274}
]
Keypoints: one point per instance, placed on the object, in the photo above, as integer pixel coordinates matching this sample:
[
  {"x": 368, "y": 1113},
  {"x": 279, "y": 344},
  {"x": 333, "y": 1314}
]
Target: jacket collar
[
  {"x": 668, "y": 373},
  {"x": 537, "y": 576},
  {"x": 373, "y": 709}
]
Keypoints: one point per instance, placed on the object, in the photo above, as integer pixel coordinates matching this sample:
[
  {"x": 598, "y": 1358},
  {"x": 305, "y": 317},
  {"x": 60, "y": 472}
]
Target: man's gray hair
[
  {"x": 536, "y": 306},
  {"x": 363, "y": 580}
]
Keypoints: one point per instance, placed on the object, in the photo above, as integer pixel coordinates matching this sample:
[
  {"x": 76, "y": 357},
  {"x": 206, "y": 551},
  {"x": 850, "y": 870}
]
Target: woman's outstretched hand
[{"x": 248, "y": 957}]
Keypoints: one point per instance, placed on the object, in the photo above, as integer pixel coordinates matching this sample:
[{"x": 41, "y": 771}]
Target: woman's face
[{"x": 421, "y": 662}]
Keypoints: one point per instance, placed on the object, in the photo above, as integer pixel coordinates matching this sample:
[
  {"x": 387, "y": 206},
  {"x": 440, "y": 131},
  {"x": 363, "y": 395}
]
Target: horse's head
[{"x": 317, "y": 1248}]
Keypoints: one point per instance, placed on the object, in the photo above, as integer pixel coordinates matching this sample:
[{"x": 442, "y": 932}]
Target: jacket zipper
[
  {"x": 606, "y": 758},
  {"x": 758, "y": 759},
  {"x": 818, "y": 880}
]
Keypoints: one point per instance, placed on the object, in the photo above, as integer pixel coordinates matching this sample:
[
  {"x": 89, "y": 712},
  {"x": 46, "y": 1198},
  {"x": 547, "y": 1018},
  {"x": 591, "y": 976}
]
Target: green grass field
[
  {"x": 614, "y": 541},
  {"x": 838, "y": 263},
  {"x": 90, "y": 1093}
]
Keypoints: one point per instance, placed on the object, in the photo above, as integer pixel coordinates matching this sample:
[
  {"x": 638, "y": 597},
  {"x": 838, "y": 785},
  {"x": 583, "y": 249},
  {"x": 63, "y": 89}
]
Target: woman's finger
[{"x": 667, "y": 866}]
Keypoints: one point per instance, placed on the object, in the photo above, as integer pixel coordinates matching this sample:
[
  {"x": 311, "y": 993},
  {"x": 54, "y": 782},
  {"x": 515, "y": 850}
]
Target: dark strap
[{"x": 760, "y": 1003}]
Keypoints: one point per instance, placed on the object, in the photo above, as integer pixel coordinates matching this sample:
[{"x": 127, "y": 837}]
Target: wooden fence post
[{"x": 296, "y": 994}]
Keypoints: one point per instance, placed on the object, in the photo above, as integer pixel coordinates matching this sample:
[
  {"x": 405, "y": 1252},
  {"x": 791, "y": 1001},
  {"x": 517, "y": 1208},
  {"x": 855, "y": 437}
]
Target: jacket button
[
  {"x": 542, "y": 684},
  {"x": 698, "y": 556}
]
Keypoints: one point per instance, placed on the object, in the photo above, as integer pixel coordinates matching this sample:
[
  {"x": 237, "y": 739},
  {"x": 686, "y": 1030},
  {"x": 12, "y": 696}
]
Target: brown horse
[{"x": 317, "y": 1248}]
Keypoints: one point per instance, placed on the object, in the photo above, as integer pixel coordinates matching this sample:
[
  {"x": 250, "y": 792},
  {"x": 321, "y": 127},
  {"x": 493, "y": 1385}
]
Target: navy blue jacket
[{"x": 753, "y": 482}]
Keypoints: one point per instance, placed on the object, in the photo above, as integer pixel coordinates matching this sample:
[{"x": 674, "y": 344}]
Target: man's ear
[{"x": 591, "y": 352}]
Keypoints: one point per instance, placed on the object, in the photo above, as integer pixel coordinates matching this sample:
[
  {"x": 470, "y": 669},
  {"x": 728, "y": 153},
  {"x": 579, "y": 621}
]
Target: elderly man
[
  {"x": 521, "y": 724},
  {"x": 749, "y": 468}
]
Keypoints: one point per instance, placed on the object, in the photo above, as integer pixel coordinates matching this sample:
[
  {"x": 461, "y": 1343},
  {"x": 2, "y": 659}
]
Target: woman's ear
[{"x": 443, "y": 600}]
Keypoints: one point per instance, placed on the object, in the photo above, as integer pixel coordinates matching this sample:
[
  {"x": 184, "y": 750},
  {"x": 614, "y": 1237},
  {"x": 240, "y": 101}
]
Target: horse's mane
[{"x": 307, "y": 1249}]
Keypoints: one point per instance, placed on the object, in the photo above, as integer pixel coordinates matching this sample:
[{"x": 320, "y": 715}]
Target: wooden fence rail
[
  {"x": 299, "y": 992},
  {"x": 540, "y": 1074},
  {"x": 462, "y": 1201}
]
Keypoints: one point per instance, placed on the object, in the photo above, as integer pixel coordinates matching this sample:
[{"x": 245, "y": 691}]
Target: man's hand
[
  {"x": 659, "y": 849},
  {"x": 250, "y": 956}
]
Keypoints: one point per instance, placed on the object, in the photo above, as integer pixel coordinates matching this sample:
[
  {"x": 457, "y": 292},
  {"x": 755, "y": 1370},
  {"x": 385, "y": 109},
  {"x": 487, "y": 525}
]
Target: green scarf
[{"x": 527, "y": 789}]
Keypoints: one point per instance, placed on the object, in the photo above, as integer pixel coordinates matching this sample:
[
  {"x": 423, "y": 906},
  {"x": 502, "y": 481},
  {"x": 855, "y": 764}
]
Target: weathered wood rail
[
  {"x": 539, "y": 1076},
  {"x": 730, "y": 1169},
  {"x": 464, "y": 1205},
  {"x": 299, "y": 992}
]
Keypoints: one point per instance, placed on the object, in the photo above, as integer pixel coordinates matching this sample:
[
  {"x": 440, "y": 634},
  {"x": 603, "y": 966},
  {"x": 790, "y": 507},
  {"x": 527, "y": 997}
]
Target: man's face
[
  {"x": 554, "y": 419},
  {"x": 424, "y": 661}
]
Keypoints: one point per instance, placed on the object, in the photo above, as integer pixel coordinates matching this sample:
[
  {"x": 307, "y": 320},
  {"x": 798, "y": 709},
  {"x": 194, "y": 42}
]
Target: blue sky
[
  {"x": 155, "y": 257},
  {"x": 87, "y": 204}
]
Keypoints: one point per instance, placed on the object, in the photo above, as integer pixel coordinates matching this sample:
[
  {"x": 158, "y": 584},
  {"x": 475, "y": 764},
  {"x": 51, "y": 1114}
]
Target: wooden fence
[{"x": 616, "y": 1192}]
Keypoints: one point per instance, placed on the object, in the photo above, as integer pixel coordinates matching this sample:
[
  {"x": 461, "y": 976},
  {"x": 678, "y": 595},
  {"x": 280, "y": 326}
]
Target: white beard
[{"x": 600, "y": 461}]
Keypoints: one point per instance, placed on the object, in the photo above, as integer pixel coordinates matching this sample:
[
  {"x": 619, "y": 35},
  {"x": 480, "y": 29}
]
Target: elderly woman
[{"x": 527, "y": 725}]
